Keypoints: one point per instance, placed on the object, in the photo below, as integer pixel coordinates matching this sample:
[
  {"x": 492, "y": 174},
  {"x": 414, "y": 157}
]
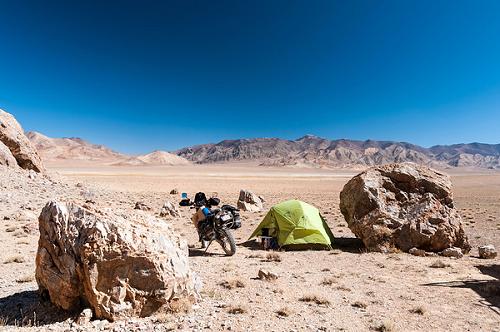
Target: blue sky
[{"x": 144, "y": 75}]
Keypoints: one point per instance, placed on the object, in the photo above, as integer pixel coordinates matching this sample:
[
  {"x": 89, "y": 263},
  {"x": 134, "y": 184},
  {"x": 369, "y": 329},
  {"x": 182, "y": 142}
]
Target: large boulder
[
  {"x": 248, "y": 201},
  {"x": 119, "y": 265},
  {"x": 403, "y": 206},
  {"x": 13, "y": 137}
]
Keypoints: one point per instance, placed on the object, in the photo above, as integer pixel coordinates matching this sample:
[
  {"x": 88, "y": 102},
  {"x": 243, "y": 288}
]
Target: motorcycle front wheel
[{"x": 226, "y": 241}]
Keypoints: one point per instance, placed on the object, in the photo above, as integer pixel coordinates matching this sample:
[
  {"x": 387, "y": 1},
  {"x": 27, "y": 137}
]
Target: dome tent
[{"x": 295, "y": 222}]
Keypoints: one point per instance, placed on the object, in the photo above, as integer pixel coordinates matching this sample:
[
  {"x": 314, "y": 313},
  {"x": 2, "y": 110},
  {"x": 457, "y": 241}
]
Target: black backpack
[{"x": 200, "y": 199}]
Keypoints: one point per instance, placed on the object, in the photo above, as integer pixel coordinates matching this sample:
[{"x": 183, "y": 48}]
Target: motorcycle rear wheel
[{"x": 226, "y": 241}]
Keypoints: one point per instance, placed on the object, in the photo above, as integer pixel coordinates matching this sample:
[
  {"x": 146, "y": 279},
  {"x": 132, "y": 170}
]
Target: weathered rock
[
  {"x": 118, "y": 267},
  {"x": 267, "y": 275},
  {"x": 84, "y": 317},
  {"x": 174, "y": 191},
  {"x": 403, "y": 206},
  {"x": 13, "y": 137},
  {"x": 6, "y": 157},
  {"x": 248, "y": 201},
  {"x": 487, "y": 252},
  {"x": 417, "y": 252},
  {"x": 141, "y": 206},
  {"x": 169, "y": 210},
  {"x": 452, "y": 252}
]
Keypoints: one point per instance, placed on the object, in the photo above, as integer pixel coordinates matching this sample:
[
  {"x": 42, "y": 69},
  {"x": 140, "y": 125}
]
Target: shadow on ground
[
  {"x": 489, "y": 290},
  {"x": 193, "y": 252},
  {"x": 347, "y": 244},
  {"x": 29, "y": 309}
]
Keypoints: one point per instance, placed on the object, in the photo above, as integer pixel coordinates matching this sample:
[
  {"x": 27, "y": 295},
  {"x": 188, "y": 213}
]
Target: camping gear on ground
[
  {"x": 213, "y": 201},
  {"x": 268, "y": 242},
  {"x": 185, "y": 201},
  {"x": 217, "y": 227},
  {"x": 200, "y": 199},
  {"x": 295, "y": 224}
]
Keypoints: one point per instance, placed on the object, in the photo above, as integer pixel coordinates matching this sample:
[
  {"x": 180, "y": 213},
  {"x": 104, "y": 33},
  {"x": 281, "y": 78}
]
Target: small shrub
[
  {"x": 420, "y": 310},
  {"x": 439, "y": 264},
  {"x": 385, "y": 326},
  {"x": 26, "y": 278},
  {"x": 360, "y": 304},
  {"x": 232, "y": 283},
  {"x": 10, "y": 229},
  {"x": 237, "y": 310},
  {"x": 312, "y": 298},
  {"x": 273, "y": 257},
  {"x": 284, "y": 312},
  {"x": 329, "y": 281},
  {"x": 14, "y": 259},
  {"x": 255, "y": 256}
]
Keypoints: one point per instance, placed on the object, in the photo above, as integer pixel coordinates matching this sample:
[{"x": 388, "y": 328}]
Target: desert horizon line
[{"x": 121, "y": 151}]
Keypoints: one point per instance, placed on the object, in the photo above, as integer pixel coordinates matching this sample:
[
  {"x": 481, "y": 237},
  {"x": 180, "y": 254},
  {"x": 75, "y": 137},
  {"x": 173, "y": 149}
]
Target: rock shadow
[
  {"x": 349, "y": 244},
  {"x": 28, "y": 308},
  {"x": 489, "y": 290}
]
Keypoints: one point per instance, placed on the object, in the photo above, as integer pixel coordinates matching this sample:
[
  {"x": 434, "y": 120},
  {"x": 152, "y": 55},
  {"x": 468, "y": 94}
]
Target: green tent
[{"x": 296, "y": 223}]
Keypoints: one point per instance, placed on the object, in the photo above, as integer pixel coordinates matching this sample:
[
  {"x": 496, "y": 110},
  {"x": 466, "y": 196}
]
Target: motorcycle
[{"x": 217, "y": 227}]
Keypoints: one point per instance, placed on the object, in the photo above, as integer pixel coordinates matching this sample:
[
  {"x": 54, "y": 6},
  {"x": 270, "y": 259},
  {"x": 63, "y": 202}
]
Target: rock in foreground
[
  {"x": 119, "y": 267},
  {"x": 403, "y": 206}
]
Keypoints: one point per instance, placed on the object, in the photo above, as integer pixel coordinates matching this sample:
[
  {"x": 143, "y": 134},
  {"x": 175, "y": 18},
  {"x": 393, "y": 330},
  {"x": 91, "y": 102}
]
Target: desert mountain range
[
  {"x": 54, "y": 150},
  {"x": 315, "y": 151},
  {"x": 307, "y": 151}
]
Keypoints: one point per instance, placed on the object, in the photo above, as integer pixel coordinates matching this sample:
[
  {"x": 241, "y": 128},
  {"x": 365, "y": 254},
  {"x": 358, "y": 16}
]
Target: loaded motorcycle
[{"x": 218, "y": 224}]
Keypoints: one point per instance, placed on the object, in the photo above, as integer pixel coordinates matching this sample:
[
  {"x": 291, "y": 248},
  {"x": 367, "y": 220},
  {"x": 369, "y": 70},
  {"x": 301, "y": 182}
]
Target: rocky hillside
[
  {"x": 315, "y": 151},
  {"x": 52, "y": 149},
  {"x": 56, "y": 150}
]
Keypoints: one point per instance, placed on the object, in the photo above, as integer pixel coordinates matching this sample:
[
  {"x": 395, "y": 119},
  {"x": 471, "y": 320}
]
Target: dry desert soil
[{"x": 345, "y": 289}]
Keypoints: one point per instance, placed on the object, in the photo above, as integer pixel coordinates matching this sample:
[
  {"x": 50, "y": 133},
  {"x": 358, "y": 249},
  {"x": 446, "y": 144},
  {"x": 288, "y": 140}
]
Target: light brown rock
[
  {"x": 452, "y": 252},
  {"x": 13, "y": 137},
  {"x": 267, "y": 275},
  {"x": 142, "y": 206},
  {"x": 487, "y": 252},
  {"x": 417, "y": 252},
  {"x": 169, "y": 210},
  {"x": 119, "y": 267},
  {"x": 248, "y": 201},
  {"x": 403, "y": 206}
]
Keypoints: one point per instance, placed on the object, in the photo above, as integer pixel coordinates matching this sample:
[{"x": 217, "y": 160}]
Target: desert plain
[{"x": 344, "y": 289}]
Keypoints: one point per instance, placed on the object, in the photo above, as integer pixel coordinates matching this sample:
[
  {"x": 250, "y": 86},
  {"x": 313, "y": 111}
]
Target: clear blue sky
[{"x": 144, "y": 75}]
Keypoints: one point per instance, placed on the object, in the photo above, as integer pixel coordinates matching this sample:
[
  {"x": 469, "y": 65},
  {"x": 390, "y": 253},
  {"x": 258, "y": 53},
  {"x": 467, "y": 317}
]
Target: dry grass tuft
[
  {"x": 273, "y": 257},
  {"x": 344, "y": 288},
  {"x": 439, "y": 264},
  {"x": 420, "y": 310},
  {"x": 237, "y": 310},
  {"x": 232, "y": 283},
  {"x": 14, "y": 259},
  {"x": 385, "y": 326},
  {"x": 329, "y": 281},
  {"x": 10, "y": 229},
  {"x": 260, "y": 256},
  {"x": 284, "y": 312},
  {"x": 26, "y": 278},
  {"x": 314, "y": 299},
  {"x": 212, "y": 293},
  {"x": 360, "y": 304}
]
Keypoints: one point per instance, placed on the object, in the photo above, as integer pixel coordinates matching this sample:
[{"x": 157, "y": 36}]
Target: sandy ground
[{"x": 351, "y": 290}]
